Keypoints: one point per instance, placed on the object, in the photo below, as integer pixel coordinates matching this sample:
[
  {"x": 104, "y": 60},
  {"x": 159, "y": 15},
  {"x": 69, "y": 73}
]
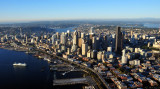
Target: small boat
[
  {"x": 55, "y": 62},
  {"x": 26, "y": 52},
  {"x": 19, "y": 64}
]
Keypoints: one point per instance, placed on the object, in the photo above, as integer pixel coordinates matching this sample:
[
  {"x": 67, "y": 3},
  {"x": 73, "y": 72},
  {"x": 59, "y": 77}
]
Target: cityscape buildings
[
  {"x": 119, "y": 40},
  {"x": 124, "y": 59}
]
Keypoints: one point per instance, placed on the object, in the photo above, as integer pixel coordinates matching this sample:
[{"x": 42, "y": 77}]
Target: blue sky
[{"x": 33, "y": 10}]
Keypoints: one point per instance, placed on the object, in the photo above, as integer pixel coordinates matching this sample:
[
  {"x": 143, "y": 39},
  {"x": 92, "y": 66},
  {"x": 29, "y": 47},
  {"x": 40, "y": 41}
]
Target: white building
[
  {"x": 99, "y": 56},
  {"x": 124, "y": 58},
  {"x": 63, "y": 38},
  {"x": 75, "y": 38},
  {"x": 109, "y": 49}
]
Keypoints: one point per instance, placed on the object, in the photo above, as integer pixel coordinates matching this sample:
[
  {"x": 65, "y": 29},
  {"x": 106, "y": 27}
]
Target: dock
[
  {"x": 84, "y": 80},
  {"x": 62, "y": 65},
  {"x": 69, "y": 70},
  {"x": 71, "y": 81},
  {"x": 98, "y": 77}
]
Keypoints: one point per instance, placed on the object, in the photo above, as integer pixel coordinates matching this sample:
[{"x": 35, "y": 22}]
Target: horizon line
[{"x": 83, "y": 19}]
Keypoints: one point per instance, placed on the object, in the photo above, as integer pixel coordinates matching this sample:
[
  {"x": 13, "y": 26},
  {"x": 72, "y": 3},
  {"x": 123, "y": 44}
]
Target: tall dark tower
[{"x": 119, "y": 41}]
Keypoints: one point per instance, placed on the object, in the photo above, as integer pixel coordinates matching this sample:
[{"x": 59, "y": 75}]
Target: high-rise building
[
  {"x": 26, "y": 40},
  {"x": 68, "y": 51},
  {"x": 105, "y": 43},
  {"x": 78, "y": 51},
  {"x": 94, "y": 54},
  {"x": 94, "y": 44},
  {"x": 53, "y": 39},
  {"x": 68, "y": 33},
  {"x": 79, "y": 34},
  {"x": 84, "y": 49},
  {"x": 89, "y": 54},
  {"x": 21, "y": 32},
  {"x": 90, "y": 38},
  {"x": 124, "y": 58},
  {"x": 131, "y": 33},
  {"x": 119, "y": 40},
  {"x": 57, "y": 35},
  {"x": 103, "y": 56},
  {"x": 63, "y": 38},
  {"x": 113, "y": 39},
  {"x": 80, "y": 42},
  {"x": 74, "y": 48},
  {"x": 98, "y": 43},
  {"x": 82, "y": 35},
  {"x": 99, "y": 56},
  {"x": 75, "y": 38},
  {"x": 91, "y": 30}
]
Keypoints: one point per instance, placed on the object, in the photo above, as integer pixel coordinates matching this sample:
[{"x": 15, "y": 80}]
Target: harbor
[
  {"x": 60, "y": 64},
  {"x": 59, "y": 67},
  {"x": 36, "y": 75}
]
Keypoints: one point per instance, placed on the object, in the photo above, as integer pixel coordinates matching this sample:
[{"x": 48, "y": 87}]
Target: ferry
[{"x": 19, "y": 64}]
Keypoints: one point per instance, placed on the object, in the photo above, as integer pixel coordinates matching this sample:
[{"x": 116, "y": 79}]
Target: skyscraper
[
  {"x": 131, "y": 33},
  {"x": 26, "y": 40},
  {"x": 63, "y": 38},
  {"x": 68, "y": 33},
  {"x": 80, "y": 42},
  {"x": 84, "y": 49},
  {"x": 94, "y": 44},
  {"x": 53, "y": 39},
  {"x": 119, "y": 40},
  {"x": 91, "y": 30},
  {"x": 79, "y": 34},
  {"x": 105, "y": 42},
  {"x": 20, "y": 32},
  {"x": 75, "y": 38},
  {"x": 82, "y": 35},
  {"x": 57, "y": 35}
]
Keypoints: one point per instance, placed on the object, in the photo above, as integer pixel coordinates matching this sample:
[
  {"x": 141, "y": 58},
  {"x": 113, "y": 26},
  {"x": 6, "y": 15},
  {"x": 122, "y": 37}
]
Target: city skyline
[
  {"x": 115, "y": 57},
  {"x": 44, "y": 10},
  {"x": 79, "y": 44}
]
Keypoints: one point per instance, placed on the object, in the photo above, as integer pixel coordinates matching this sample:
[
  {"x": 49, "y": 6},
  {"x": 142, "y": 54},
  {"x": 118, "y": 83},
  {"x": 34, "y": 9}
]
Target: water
[
  {"x": 22, "y": 77},
  {"x": 65, "y": 29},
  {"x": 31, "y": 76},
  {"x": 149, "y": 25}
]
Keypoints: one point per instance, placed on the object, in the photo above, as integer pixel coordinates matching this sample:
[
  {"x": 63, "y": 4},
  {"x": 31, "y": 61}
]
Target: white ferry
[{"x": 19, "y": 64}]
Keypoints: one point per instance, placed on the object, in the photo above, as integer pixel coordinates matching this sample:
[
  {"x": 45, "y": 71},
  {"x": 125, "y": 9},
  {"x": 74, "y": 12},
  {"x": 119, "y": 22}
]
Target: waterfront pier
[{"x": 71, "y": 81}]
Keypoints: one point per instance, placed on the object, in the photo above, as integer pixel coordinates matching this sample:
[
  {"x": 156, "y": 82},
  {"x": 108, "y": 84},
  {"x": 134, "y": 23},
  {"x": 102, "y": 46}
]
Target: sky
[{"x": 43, "y": 10}]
